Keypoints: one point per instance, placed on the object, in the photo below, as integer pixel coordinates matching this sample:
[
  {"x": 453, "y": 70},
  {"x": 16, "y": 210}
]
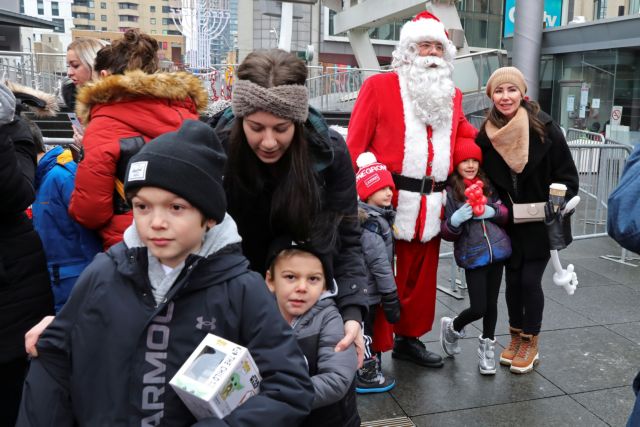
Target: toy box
[{"x": 218, "y": 377}]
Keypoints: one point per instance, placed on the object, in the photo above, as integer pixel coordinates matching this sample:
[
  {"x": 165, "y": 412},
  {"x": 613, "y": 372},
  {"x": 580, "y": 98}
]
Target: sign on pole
[{"x": 616, "y": 115}]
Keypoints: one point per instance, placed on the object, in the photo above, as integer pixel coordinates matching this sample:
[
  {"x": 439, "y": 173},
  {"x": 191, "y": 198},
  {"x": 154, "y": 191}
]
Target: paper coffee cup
[{"x": 556, "y": 194}]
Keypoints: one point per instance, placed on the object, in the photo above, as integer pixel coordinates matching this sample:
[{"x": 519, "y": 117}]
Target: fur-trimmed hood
[
  {"x": 40, "y": 103},
  {"x": 137, "y": 84}
]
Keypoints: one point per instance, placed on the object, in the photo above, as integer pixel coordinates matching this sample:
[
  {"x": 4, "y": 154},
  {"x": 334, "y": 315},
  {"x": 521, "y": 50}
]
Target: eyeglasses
[{"x": 428, "y": 46}]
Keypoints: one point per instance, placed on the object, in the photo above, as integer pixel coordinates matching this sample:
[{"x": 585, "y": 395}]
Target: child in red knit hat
[
  {"x": 375, "y": 186},
  {"x": 480, "y": 247}
]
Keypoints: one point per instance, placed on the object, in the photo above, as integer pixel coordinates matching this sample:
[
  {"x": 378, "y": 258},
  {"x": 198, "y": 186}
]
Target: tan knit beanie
[{"x": 506, "y": 75}]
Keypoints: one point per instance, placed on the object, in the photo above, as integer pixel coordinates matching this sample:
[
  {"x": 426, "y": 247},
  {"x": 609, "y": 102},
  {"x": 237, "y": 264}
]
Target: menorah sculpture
[{"x": 201, "y": 22}]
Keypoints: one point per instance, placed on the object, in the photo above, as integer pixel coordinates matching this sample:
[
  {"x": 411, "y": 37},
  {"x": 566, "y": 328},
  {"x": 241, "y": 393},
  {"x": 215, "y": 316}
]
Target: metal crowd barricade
[{"x": 600, "y": 163}]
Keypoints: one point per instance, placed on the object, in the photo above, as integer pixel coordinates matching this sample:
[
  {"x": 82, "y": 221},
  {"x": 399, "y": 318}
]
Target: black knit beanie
[
  {"x": 285, "y": 242},
  {"x": 188, "y": 162}
]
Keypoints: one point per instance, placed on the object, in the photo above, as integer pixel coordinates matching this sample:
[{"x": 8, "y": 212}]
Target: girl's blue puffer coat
[
  {"x": 68, "y": 246},
  {"x": 477, "y": 242}
]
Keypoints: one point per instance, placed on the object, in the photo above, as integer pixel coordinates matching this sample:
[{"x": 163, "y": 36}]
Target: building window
[
  {"x": 153, "y": 21},
  {"x": 152, "y": 9},
  {"x": 85, "y": 27},
  {"x": 55, "y": 10},
  {"x": 173, "y": 33},
  {"x": 131, "y": 6},
  {"x": 167, "y": 21},
  {"x": 103, "y": 18},
  {"x": 21, "y": 6},
  {"x": 154, "y": 32},
  {"x": 103, "y": 5},
  {"x": 40, "y": 7},
  {"x": 59, "y": 25},
  {"x": 128, "y": 18},
  {"x": 166, "y": 9},
  {"x": 104, "y": 28}
]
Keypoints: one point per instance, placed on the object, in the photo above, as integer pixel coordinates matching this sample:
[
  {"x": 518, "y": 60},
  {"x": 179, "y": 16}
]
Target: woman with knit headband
[
  {"x": 524, "y": 152},
  {"x": 288, "y": 173}
]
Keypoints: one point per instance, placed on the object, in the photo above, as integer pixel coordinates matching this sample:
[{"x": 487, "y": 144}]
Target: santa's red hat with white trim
[{"x": 427, "y": 27}]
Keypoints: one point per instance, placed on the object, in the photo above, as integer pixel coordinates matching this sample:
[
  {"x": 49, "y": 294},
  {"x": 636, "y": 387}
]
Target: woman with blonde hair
[{"x": 81, "y": 56}]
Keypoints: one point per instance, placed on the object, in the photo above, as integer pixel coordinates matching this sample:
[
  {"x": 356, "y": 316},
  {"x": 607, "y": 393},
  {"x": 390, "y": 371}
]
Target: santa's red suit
[{"x": 384, "y": 122}]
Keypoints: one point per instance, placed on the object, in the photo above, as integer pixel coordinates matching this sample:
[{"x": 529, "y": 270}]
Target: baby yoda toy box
[{"x": 218, "y": 377}]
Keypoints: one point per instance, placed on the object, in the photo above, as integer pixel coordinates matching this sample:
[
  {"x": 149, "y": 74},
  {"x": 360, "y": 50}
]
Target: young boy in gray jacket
[
  {"x": 301, "y": 277},
  {"x": 375, "y": 186}
]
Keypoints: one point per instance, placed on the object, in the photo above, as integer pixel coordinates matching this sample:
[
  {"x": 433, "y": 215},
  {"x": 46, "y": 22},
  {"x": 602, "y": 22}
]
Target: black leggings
[
  {"x": 525, "y": 299},
  {"x": 483, "y": 285}
]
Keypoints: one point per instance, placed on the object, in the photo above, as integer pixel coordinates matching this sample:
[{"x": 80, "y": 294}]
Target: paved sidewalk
[{"x": 589, "y": 355}]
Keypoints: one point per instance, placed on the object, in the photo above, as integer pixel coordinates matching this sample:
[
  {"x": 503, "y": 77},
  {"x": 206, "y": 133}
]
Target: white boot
[{"x": 486, "y": 356}]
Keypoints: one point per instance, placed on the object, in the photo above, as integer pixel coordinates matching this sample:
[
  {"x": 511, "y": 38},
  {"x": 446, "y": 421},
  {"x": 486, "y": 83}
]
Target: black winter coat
[
  {"x": 549, "y": 161},
  {"x": 123, "y": 349},
  {"x": 25, "y": 292},
  {"x": 332, "y": 162}
]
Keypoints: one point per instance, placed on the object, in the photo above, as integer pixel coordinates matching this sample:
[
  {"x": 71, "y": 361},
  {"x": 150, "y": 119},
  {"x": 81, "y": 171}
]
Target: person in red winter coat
[{"x": 124, "y": 109}]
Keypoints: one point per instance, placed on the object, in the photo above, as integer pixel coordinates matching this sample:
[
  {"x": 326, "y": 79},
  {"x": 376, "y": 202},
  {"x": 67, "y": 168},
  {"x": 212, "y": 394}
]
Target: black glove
[
  {"x": 558, "y": 227},
  {"x": 391, "y": 306}
]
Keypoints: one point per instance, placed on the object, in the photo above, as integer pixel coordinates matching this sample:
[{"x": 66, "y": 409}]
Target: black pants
[
  {"x": 369, "y": 321},
  {"x": 525, "y": 299},
  {"x": 12, "y": 376},
  {"x": 483, "y": 285}
]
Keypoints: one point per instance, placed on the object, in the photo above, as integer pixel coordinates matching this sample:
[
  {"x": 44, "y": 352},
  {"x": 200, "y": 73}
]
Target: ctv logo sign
[{"x": 552, "y": 14}]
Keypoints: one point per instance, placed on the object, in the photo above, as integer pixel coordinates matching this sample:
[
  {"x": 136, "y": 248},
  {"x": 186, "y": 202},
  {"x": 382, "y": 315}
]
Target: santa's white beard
[{"x": 431, "y": 89}]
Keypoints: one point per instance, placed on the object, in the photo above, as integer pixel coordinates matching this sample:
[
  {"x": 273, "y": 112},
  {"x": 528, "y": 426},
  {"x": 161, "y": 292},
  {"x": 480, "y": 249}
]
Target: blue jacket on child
[
  {"x": 68, "y": 246},
  {"x": 477, "y": 242}
]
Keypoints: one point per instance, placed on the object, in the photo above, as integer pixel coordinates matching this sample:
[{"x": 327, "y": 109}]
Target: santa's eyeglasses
[{"x": 429, "y": 46}]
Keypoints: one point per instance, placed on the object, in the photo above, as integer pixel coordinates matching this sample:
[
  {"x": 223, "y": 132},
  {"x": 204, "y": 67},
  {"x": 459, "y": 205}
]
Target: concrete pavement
[{"x": 589, "y": 355}]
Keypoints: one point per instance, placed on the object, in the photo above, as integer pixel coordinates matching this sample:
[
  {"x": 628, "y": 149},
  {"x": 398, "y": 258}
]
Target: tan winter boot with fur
[
  {"x": 510, "y": 352},
  {"x": 527, "y": 356}
]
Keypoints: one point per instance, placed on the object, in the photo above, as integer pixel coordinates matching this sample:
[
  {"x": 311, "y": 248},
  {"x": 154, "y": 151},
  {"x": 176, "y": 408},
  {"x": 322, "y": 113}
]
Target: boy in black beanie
[{"x": 139, "y": 311}]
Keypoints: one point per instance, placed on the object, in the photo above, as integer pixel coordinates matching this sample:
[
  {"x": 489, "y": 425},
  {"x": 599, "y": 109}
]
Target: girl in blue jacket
[
  {"x": 480, "y": 247},
  {"x": 68, "y": 246}
]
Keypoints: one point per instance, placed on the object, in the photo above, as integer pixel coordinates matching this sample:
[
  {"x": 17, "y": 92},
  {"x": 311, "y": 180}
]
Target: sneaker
[
  {"x": 370, "y": 379},
  {"x": 414, "y": 350},
  {"x": 486, "y": 356},
  {"x": 510, "y": 352},
  {"x": 449, "y": 337},
  {"x": 527, "y": 356}
]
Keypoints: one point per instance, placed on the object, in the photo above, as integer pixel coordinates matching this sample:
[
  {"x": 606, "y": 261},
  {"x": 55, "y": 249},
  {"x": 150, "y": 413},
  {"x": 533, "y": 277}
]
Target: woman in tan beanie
[{"x": 524, "y": 152}]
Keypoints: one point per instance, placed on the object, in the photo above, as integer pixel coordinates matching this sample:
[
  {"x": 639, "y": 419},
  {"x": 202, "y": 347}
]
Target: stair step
[{"x": 390, "y": 422}]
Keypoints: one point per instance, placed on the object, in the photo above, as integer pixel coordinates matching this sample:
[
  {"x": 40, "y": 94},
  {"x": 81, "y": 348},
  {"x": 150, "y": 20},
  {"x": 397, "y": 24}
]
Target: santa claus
[{"x": 411, "y": 120}]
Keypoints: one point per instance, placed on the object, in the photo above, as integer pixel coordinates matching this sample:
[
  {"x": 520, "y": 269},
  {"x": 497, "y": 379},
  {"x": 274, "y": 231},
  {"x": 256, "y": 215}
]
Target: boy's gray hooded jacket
[
  {"x": 108, "y": 357},
  {"x": 377, "y": 248},
  {"x": 318, "y": 332}
]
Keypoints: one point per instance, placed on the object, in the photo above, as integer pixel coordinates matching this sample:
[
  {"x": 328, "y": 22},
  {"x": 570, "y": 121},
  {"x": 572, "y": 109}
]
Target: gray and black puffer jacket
[
  {"x": 318, "y": 332},
  {"x": 377, "y": 248},
  {"x": 477, "y": 242}
]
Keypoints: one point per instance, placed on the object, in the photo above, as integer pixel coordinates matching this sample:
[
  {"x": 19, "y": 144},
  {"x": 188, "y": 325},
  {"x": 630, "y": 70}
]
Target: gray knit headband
[{"x": 286, "y": 101}]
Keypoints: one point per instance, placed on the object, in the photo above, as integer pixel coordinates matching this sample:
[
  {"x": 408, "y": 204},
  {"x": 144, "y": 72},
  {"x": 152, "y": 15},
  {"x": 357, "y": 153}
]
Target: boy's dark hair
[
  {"x": 286, "y": 246},
  {"x": 289, "y": 253}
]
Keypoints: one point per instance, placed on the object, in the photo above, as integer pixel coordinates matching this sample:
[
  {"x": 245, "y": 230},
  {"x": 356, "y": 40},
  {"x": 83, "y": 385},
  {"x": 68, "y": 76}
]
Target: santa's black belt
[{"x": 426, "y": 185}]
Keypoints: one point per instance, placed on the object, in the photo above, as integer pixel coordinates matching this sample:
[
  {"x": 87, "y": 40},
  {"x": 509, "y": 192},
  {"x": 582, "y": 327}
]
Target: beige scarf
[{"x": 512, "y": 140}]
